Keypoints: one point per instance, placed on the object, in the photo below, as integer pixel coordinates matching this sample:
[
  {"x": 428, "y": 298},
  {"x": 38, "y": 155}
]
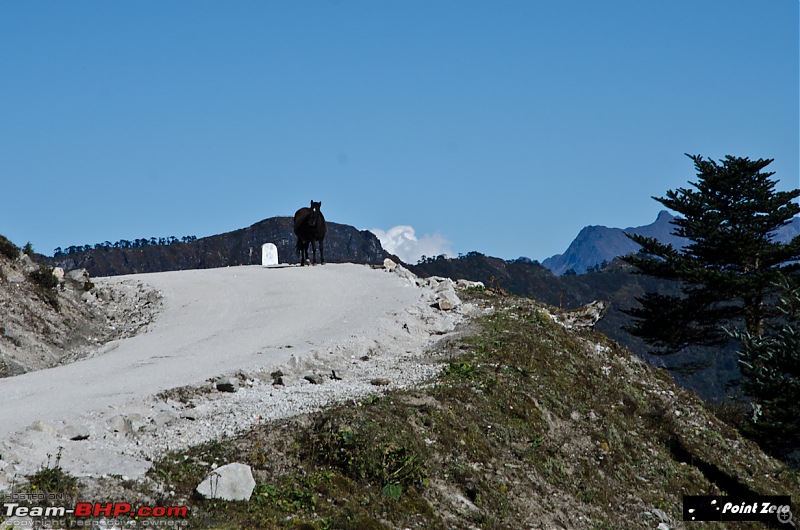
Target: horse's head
[{"x": 313, "y": 216}]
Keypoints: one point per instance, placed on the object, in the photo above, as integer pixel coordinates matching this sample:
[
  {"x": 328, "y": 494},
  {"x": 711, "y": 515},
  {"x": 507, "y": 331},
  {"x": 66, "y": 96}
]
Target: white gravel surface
[{"x": 125, "y": 404}]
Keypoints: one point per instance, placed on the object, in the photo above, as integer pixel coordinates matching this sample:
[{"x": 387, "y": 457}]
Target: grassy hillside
[
  {"x": 616, "y": 284},
  {"x": 528, "y": 425}
]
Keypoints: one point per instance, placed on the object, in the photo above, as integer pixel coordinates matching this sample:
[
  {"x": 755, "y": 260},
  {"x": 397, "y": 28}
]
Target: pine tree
[
  {"x": 770, "y": 364},
  {"x": 728, "y": 271}
]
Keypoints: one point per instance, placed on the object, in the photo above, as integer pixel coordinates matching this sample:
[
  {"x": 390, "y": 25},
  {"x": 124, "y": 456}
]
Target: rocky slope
[
  {"x": 241, "y": 247},
  {"x": 46, "y": 320}
]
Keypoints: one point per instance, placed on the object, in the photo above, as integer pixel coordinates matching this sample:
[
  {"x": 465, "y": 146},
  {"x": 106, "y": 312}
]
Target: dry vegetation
[{"x": 528, "y": 425}]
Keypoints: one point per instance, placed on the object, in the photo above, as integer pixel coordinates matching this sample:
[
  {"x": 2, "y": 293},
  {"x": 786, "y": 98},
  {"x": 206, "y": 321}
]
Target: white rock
[
  {"x": 446, "y": 299},
  {"x": 468, "y": 284},
  {"x": 76, "y": 432},
  {"x": 231, "y": 482},
  {"x": 79, "y": 276},
  {"x": 41, "y": 426},
  {"x": 28, "y": 263},
  {"x": 405, "y": 273},
  {"x": 389, "y": 265}
]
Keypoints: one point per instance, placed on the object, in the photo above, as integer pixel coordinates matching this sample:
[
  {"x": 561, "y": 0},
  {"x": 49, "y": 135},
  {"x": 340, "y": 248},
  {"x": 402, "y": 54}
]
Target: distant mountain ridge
[
  {"x": 343, "y": 243},
  {"x": 597, "y": 244}
]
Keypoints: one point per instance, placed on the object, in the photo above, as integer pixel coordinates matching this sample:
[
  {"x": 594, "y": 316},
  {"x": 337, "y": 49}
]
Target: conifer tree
[
  {"x": 770, "y": 364},
  {"x": 728, "y": 271}
]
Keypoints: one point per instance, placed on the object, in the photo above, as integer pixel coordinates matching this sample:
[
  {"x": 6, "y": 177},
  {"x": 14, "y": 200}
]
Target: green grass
[{"x": 527, "y": 423}]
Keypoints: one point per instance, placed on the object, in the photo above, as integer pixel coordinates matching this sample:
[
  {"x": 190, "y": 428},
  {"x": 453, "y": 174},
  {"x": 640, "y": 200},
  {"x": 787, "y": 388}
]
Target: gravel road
[{"x": 117, "y": 409}]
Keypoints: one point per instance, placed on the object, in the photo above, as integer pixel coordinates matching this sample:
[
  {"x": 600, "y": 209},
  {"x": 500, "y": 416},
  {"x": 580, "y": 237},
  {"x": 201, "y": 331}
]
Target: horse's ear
[{"x": 312, "y": 203}]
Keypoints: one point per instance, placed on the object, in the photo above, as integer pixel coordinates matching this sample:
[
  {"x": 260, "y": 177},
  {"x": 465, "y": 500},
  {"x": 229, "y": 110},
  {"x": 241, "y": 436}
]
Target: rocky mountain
[
  {"x": 597, "y": 244},
  {"x": 241, "y": 247},
  {"x": 789, "y": 232}
]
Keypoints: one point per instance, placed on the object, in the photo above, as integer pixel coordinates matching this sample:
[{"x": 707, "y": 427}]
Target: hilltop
[{"x": 343, "y": 243}]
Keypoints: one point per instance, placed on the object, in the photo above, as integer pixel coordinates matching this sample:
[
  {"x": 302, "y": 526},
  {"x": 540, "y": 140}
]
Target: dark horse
[{"x": 310, "y": 227}]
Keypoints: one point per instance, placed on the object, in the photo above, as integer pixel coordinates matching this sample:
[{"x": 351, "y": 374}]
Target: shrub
[
  {"x": 44, "y": 277},
  {"x": 47, "y": 284},
  {"x": 8, "y": 249},
  {"x": 374, "y": 449}
]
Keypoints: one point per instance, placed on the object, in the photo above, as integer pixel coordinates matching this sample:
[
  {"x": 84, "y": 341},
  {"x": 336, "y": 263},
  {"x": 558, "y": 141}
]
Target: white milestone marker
[{"x": 269, "y": 254}]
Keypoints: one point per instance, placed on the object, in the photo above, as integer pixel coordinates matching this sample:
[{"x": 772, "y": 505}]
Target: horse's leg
[
  {"x": 303, "y": 253},
  {"x": 321, "y": 253},
  {"x": 314, "y": 250}
]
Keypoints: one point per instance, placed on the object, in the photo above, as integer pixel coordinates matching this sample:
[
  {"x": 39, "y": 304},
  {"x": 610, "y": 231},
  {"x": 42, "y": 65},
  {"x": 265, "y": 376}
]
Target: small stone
[
  {"x": 380, "y": 381},
  {"x": 314, "y": 379},
  {"x": 228, "y": 384},
  {"x": 661, "y": 514},
  {"x": 164, "y": 417},
  {"x": 44, "y": 427},
  {"x": 189, "y": 415},
  {"x": 75, "y": 433}
]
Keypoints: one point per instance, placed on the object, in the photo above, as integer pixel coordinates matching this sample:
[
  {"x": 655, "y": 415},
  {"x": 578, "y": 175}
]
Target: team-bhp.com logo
[{"x": 121, "y": 513}]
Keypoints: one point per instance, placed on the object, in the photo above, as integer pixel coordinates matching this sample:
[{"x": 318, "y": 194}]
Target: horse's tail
[{"x": 298, "y": 248}]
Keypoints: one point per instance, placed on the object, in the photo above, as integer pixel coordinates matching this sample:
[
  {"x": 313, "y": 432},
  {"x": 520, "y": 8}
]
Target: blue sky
[{"x": 501, "y": 127}]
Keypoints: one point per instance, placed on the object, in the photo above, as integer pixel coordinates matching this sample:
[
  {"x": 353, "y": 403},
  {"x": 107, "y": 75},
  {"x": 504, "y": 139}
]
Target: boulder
[
  {"x": 79, "y": 276},
  {"x": 583, "y": 317},
  {"x": 28, "y": 264},
  {"x": 446, "y": 297},
  {"x": 231, "y": 482},
  {"x": 405, "y": 273}
]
